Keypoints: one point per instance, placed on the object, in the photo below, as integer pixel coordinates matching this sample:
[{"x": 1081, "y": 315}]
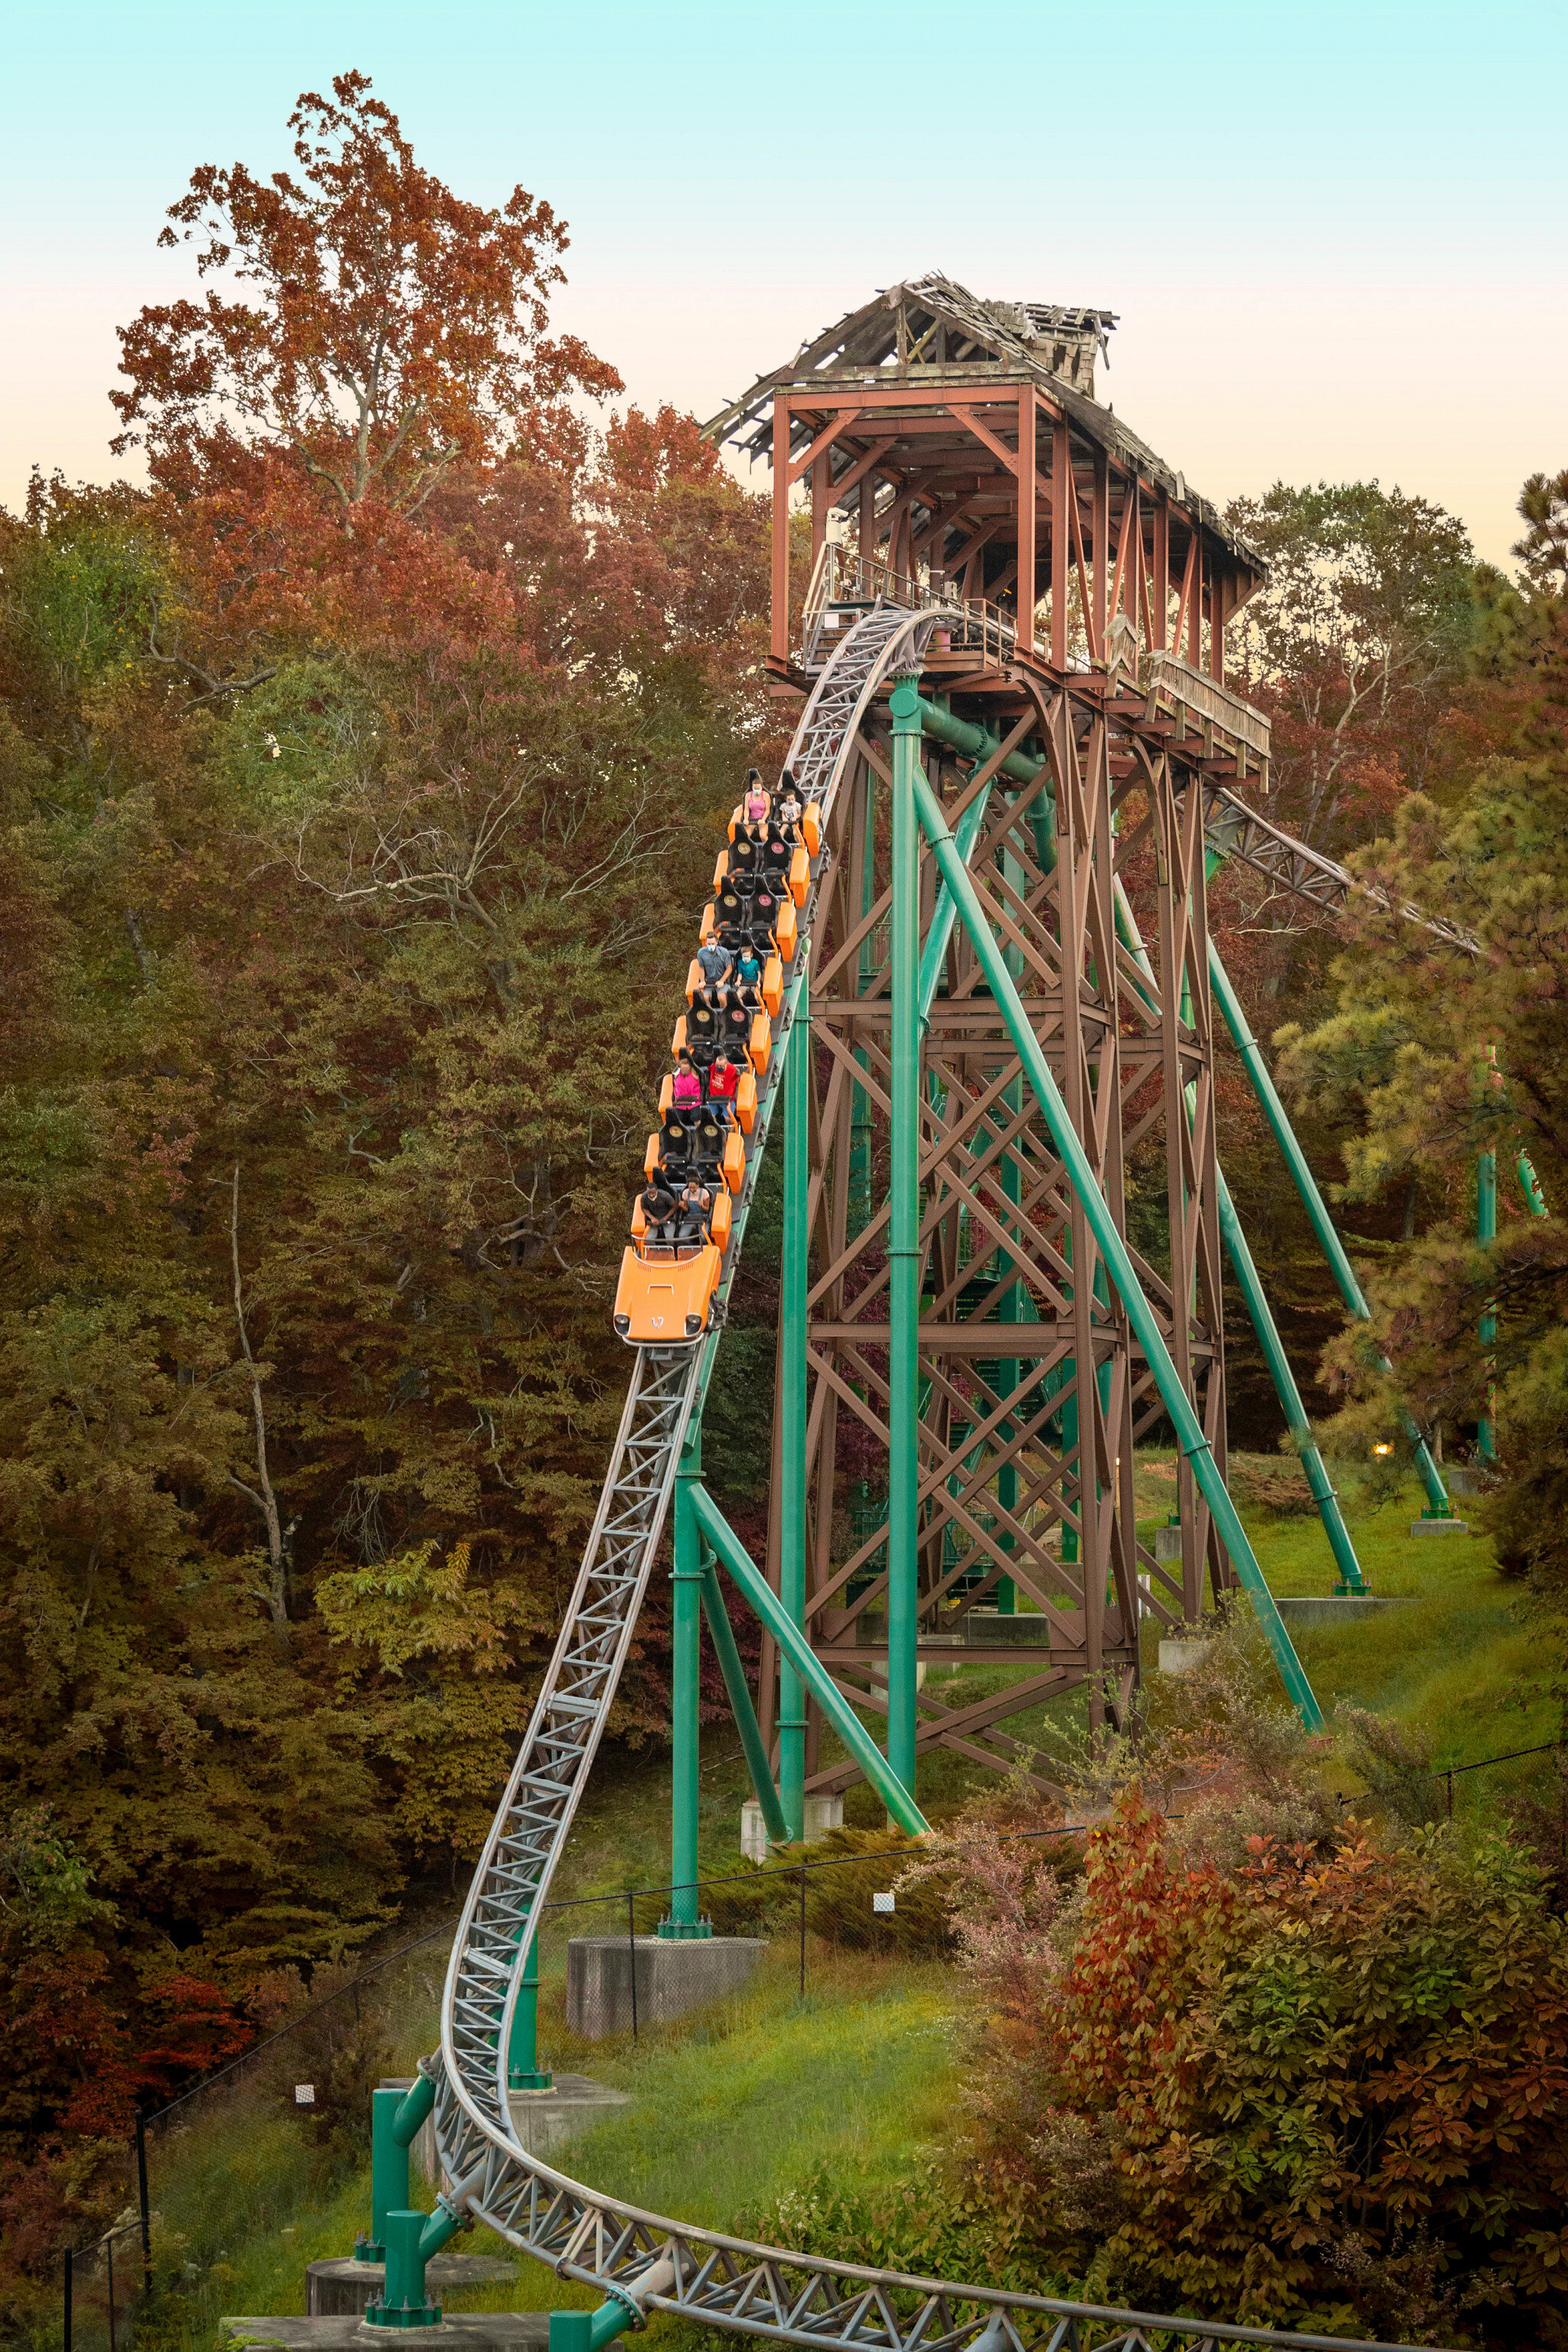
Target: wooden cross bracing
[{"x": 1033, "y": 1394}]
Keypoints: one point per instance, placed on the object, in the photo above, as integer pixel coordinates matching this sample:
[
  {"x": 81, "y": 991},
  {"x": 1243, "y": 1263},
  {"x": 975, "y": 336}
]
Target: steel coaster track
[{"x": 649, "y": 2261}]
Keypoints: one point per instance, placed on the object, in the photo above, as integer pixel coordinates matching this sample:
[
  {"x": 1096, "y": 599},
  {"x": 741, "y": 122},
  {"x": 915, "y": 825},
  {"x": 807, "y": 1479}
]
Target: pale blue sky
[{"x": 1337, "y": 235}]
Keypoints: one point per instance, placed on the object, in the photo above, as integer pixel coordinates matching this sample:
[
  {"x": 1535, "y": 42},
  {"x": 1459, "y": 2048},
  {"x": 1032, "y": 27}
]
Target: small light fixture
[{"x": 1382, "y": 1449}]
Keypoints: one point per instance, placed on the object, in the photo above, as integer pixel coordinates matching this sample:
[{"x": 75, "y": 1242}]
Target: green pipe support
[
  {"x": 791, "y": 1406},
  {"x": 589, "y": 2331},
  {"x": 395, "y": 2117},
  {"x": 412, "y": 2238},
  {"x": 722, "y": 1635},
  {"x": 686, "y": 1579},
  {"x": 1530, "y": 1185},
  {"x": 764, "y": 1601},
  {"x": 1317, "y": 1480},
  {"x": 1312, "y": 1201},
  {"x": 1119, "y": 1265},
  {"x": 523, "y": 2072},
  {"x": 903, "y": 1244},
  {"x": 1486, "y": 1232}
]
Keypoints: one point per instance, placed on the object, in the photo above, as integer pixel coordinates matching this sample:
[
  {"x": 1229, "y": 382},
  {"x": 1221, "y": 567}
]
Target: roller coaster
[{"x": 870, "y": 629}]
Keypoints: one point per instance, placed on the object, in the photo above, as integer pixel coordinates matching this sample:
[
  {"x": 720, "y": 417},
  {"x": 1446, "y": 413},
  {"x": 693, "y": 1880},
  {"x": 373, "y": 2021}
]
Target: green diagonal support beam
[
  {"x": 764, "y": 1601},
  {"x": 1113, "y": 1250},
  {"x": 722, "y": 1633},
  {"x": 1319, "y": 1484},
  {"x": 1312, "y": 1201}
]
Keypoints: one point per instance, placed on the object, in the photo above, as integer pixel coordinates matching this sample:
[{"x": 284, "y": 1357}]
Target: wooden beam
[
  {"x": 1063, "y": 492},
  {"x": 824, "y": 441}
]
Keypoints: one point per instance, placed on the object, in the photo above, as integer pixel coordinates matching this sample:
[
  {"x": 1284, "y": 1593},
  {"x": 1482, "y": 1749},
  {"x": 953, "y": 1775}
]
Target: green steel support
[
  {"x": 1530, "y": 1185},
  {"x": 1119, "y": 1265},
  {"x": 764, "y": 1601},
  {"x": 974, "y": 742},
  {"x": 394, "y": 2120},
  {"x": 1263, "y": 1323},
  {"x": 589, "y": 2331},
  {"x": 792, "y": 1404},
  {"x": 934, "y": 956},
  {"x": 1312, "y": 1201},
  {"x": 859, "y": 1112},
  {"x": 686, "y": 1579},
  {"x": 722, "y": 1635},
  {"x": 903, "y": 1244},
  {"x": 523, "y": 2072},
  {"x": 1486, "y": 1231},
  {"x": 412, "y": 2238}
]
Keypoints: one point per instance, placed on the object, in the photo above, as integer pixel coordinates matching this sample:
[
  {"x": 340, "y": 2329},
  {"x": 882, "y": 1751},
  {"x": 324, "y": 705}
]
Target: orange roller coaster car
[{"x": 662, "y": 1300}]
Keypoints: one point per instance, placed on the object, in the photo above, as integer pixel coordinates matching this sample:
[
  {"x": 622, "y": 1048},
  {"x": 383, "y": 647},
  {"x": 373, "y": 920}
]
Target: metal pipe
[
  {"x": 722, "y": 1635},
  {"x": 1317, "y": 1480},
  {"x": 686, "y": 1581},
  {"x": 903, "y": 1244},
  {"x": 763, "y": 1601},
  {"x": 1312, "y": 1201},
  {"x": 1069, "y": 1150},
  {"x": 1530, "y": 1185},
  {"x": 792, "y": 1407}
]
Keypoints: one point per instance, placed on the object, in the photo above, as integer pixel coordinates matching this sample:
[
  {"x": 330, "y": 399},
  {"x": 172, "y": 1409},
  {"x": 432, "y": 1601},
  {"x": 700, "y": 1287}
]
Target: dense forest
[{"x": 359, "y": 778}]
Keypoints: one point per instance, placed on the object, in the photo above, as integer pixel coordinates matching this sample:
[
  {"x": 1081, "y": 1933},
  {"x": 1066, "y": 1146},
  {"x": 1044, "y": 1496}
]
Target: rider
[
  {"x": 714, "y": 963},
  {"x": 787, "y": 812},
  {"x": 747, "y": 971},
  {"x": 723, "y": 1080},
  {"x": 754, "y": 802},
  {"x": 658, "y": 1209},
  {"x": 686, "y": 1088},
  {"x": 693, "y": 1208}
]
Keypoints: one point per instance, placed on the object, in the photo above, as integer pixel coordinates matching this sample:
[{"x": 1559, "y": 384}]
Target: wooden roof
[{"x": 932, "y": 331}]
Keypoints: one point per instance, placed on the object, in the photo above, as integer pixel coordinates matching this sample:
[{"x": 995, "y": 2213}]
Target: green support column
[
  {"x": 1317, "y": 1480},
  {"x": 1530, "y": 1185},
  {"x": 791, "y": 1408},
  {"x": 861, "y": 1109},
  {"x": 686, "y": 1582},
  {"x": 1486, "y": 1231},
  {"x": 1081, "y": 1175},
  {"x": 523, "y": 2072},
  {"x": 722, "y": 1633},
  {"x": 903, "y": 1244},
  {"x": 1247, "y": 1046}
]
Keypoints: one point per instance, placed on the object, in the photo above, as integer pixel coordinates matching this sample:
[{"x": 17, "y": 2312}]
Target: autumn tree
[
  {"x": 1353, "y": 645},
  {"x": 383, "y": 328}
]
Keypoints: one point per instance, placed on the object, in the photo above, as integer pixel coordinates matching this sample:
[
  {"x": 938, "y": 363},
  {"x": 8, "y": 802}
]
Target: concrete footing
[
  {"x": 473, "y": 2331},
  {"x": 672, "y": 1974},
  {"x": 340, "y": 2289},
  {"x": 988, "y": 1629},
  {"x": 1168, "y": 1543},
  {"x": 545, "y": 2120},
  {"x": 1180, "y": 1653},
  {"x": 822, "y": 1814},
  {"x": 1439, "y": 1528},
  {"x": 1331, "y": 1607}
]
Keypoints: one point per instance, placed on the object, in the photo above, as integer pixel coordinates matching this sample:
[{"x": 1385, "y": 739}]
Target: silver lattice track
[{"x": 648, "y": 2261}]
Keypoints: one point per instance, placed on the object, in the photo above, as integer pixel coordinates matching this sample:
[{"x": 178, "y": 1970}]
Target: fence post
[
  {"x": 141, "y": 2199},
  {"x": 632, "y": 1948},
  {"x": 66, "y": 2313},
  {"x": 1450, "y": 1780},
  {"x": 108, "y": 2249},
  {"x": 802, "y": 1930}
]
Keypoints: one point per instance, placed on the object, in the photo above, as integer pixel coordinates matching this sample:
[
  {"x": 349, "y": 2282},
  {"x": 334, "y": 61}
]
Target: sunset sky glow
[{"x": 1337, "y": 236}]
